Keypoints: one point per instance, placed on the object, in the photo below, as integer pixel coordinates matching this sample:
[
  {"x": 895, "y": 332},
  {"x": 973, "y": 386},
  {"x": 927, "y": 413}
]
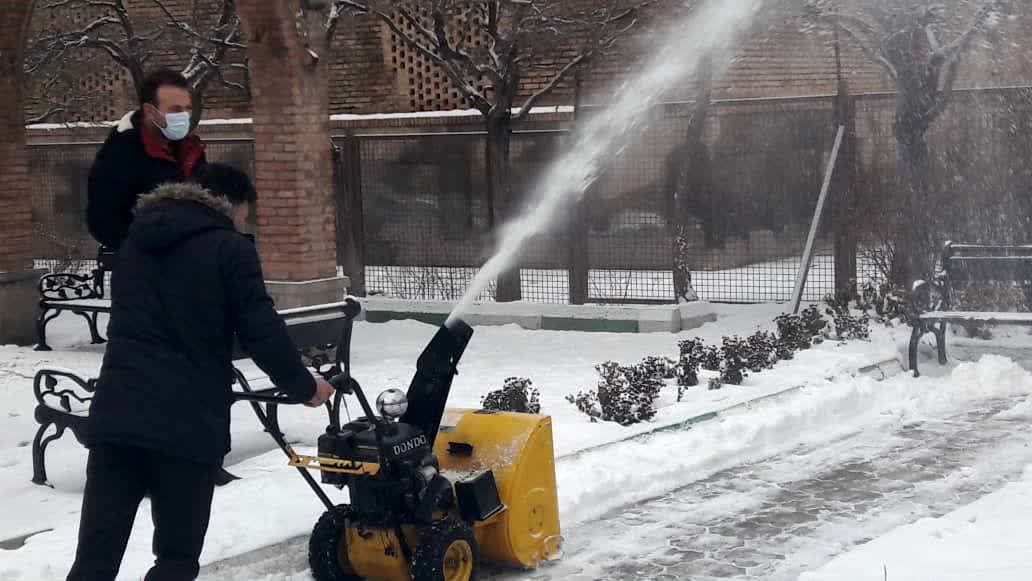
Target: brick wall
[
  {"x": 778, "y": 59},
  {"x": 15, "y": 198}
]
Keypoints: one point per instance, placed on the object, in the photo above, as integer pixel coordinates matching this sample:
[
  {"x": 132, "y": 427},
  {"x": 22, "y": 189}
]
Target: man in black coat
[
  {"x": 148, "y": 147},
  {"x": 187, "y": 283}
]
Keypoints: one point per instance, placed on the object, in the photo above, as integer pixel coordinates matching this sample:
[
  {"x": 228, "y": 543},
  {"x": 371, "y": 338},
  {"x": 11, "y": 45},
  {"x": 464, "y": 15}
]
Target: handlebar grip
[{"x": 342, "y": 383}]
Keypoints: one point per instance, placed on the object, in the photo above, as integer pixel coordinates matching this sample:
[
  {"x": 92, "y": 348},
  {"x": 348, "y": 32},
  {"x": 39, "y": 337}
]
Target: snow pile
[
  {"x": 595, "y": 483},
  {"x": 987, "y": 539}
]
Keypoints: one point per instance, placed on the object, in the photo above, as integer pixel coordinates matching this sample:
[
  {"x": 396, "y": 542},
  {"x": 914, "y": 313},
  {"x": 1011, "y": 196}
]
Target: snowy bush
[
  {"x": 889, "y": 303},
  {"x": 659, "y": 367},
  {"x": 711, "y": 360},
  {"x": 625, "y": 395},
  {"x": 587, "y": 403},
  {"x": 849, "y": 324},
  {"x": 516, "y": 395},
  {"x": 814, "y": 322},
  {"x": 736, "y": 355},
  {"x": 763, "y": 352},
  {"x": 688, "y": 365},
  {"x": 793, "y": 332}
]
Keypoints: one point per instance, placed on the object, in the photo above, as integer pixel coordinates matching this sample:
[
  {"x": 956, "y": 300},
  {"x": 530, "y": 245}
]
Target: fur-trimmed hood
[
  {"x": 126, "y": 122},
  {"x": 163, "y": 221},
  {"x": 189, "y": 192}
]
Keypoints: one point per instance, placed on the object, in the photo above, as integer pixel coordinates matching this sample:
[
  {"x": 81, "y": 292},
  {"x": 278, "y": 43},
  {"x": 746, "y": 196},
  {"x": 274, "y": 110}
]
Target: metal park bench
[
  {"x": 973, "y": 276},
  {"x": 322, "y": 335},
  {"x": 80, "y": 294}
]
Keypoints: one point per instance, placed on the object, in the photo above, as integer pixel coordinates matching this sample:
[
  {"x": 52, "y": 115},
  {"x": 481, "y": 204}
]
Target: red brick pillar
[
  {"x": 17, "y": 278},
  {"x": 293, "y": 160}
]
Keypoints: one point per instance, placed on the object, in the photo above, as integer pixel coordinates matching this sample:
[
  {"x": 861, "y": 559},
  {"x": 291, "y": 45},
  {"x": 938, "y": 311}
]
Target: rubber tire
[
  {"x": 324, "y": 544},
  {"x": 429, "y": 556}
]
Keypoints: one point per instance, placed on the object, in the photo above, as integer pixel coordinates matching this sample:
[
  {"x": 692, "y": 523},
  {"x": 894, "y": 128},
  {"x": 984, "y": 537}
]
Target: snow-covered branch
[{"x": 128, "y": 38}]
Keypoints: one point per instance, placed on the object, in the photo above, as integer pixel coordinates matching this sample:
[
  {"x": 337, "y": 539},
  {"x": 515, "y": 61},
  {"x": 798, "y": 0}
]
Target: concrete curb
[{"x": 536, "y": 316}]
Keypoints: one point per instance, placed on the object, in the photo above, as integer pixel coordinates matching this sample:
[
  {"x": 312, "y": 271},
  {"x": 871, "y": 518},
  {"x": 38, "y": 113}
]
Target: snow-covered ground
[{"x": 769, "y": 490}]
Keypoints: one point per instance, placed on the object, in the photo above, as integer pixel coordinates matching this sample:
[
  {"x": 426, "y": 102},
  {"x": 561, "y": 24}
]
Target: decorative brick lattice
[{"x": 425, "y": 85}]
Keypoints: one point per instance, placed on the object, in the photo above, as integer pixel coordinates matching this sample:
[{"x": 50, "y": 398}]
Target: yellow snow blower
[{"x": 433, "y": 491}]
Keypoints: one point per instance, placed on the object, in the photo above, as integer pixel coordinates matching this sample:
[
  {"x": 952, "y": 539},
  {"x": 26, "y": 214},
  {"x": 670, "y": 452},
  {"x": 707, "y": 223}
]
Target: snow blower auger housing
[{"x": 433, "y": 491}]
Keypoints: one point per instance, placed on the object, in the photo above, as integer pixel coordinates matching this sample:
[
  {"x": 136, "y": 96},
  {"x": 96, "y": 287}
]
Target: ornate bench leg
[
  {"x": 940, "y": 341},
  {"x": 915, "y": 340},
  {"x": 39, "y": 449},
  {"x": 45, "y": 316}
]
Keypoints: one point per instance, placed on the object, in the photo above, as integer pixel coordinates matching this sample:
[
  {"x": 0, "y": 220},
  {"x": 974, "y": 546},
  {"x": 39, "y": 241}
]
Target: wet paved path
[
  {"x": 772, "y": 519},
  {"x": 777, "y": 518}
]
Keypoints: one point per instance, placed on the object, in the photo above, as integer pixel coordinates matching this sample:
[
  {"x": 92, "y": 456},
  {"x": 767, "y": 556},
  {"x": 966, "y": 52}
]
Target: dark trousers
[{"x": 117, "y": 479}]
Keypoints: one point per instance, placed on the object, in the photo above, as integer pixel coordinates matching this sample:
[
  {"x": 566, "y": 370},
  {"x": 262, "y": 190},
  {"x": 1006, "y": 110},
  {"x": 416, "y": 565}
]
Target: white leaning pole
[{"x": 804, "y": 268}]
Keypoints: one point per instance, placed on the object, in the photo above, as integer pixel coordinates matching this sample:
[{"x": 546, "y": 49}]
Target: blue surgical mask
[{"x": 177, "y": 126}]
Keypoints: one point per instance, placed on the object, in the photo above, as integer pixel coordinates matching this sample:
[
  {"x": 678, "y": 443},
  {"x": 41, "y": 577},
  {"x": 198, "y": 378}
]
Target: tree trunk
[
  {"x": 691, "y": 185},
  {"x": 499, "y": 195},
  {"x": 915, "y": 236}
]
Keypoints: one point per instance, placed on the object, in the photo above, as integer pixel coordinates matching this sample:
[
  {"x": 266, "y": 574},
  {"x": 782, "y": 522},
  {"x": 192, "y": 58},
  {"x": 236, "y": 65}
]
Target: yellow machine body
[
  {"x": 377, "y": 554},
  {"x": 518, "y": 449}
]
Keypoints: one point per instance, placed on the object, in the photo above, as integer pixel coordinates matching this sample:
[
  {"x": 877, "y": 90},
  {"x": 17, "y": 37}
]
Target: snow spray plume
[{"x": 711, "y": 28}]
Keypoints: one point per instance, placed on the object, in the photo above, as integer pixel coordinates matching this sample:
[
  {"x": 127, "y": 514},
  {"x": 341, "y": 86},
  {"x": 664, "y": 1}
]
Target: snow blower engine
[{"x": 433, "y": 491}]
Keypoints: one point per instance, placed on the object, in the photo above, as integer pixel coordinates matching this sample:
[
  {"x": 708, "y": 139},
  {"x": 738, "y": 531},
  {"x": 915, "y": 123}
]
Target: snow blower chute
[{"x": 433, "y": 491}]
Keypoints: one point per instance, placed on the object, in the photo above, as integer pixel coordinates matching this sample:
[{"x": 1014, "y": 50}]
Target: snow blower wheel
[
  {"x": 327, "y": 548},
  {"x": 446, "y": 552}
]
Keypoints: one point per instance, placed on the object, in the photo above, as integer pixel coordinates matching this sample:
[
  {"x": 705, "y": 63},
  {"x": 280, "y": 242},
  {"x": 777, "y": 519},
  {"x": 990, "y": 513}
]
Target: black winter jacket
[
  {"x": 186, "y": 283},
  {"x": 121, "y": 173}
]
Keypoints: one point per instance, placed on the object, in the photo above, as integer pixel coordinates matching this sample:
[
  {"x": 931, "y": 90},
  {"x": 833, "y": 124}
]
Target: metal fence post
[
  {"x": 845, "y": 233},
  {"x": 578, "y": 257},
  {"x": 350, "y": 216}
]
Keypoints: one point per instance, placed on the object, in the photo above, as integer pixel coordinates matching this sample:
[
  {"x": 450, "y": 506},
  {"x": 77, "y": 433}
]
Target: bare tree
[
  {"x": 510, "y": 38},
  {"x": 921, "y": 46},
  {"x": 689, "y": 185},
  {"x": 116, "y": 31}
]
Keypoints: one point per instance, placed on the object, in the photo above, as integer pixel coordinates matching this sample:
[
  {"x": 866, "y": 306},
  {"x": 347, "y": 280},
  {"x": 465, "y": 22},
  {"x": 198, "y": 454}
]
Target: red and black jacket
[{"x": 129, "y": 164}]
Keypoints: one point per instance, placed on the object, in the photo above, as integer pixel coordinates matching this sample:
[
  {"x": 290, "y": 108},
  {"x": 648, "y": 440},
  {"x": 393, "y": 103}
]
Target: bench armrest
[{"x": 58, "y": 389}]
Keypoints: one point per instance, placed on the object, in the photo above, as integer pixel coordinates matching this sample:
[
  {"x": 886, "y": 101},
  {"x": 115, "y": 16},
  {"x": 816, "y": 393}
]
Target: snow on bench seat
[{"x": 1001, "y": 318}]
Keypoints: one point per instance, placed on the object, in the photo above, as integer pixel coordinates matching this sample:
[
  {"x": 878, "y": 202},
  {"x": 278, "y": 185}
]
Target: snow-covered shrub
[
  {"x": 587, "y": 403},
  {"x": 793, "y": 332},
  {"x": 711, "y": 360},
  {"x": 763, "y": 352},
  {"x": 516, "y": 395},
  {"x": 659, "y": 367},
  {"x": 625, "y": 395},
  {"x": 849, "y": 327},
  {"x": 889, "y": 303},
  {"x": 736, "y": 355},
  {"x": 849, "y": 324},
  {"x": 715, "y": 384},
  {"x": 688, "y": 365},
  {"x": 814, "y": 322}
]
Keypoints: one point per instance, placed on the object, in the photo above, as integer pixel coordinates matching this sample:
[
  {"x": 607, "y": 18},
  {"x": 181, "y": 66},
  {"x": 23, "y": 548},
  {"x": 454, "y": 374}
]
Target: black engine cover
[{"x": 357, "y": 442}]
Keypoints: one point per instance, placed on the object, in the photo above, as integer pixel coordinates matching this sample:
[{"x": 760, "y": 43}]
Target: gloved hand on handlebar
[{"x": 323, "y": 392}]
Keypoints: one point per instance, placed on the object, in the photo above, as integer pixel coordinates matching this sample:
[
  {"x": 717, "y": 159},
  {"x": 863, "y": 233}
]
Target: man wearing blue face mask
[{"x": 150, "y": 146}]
